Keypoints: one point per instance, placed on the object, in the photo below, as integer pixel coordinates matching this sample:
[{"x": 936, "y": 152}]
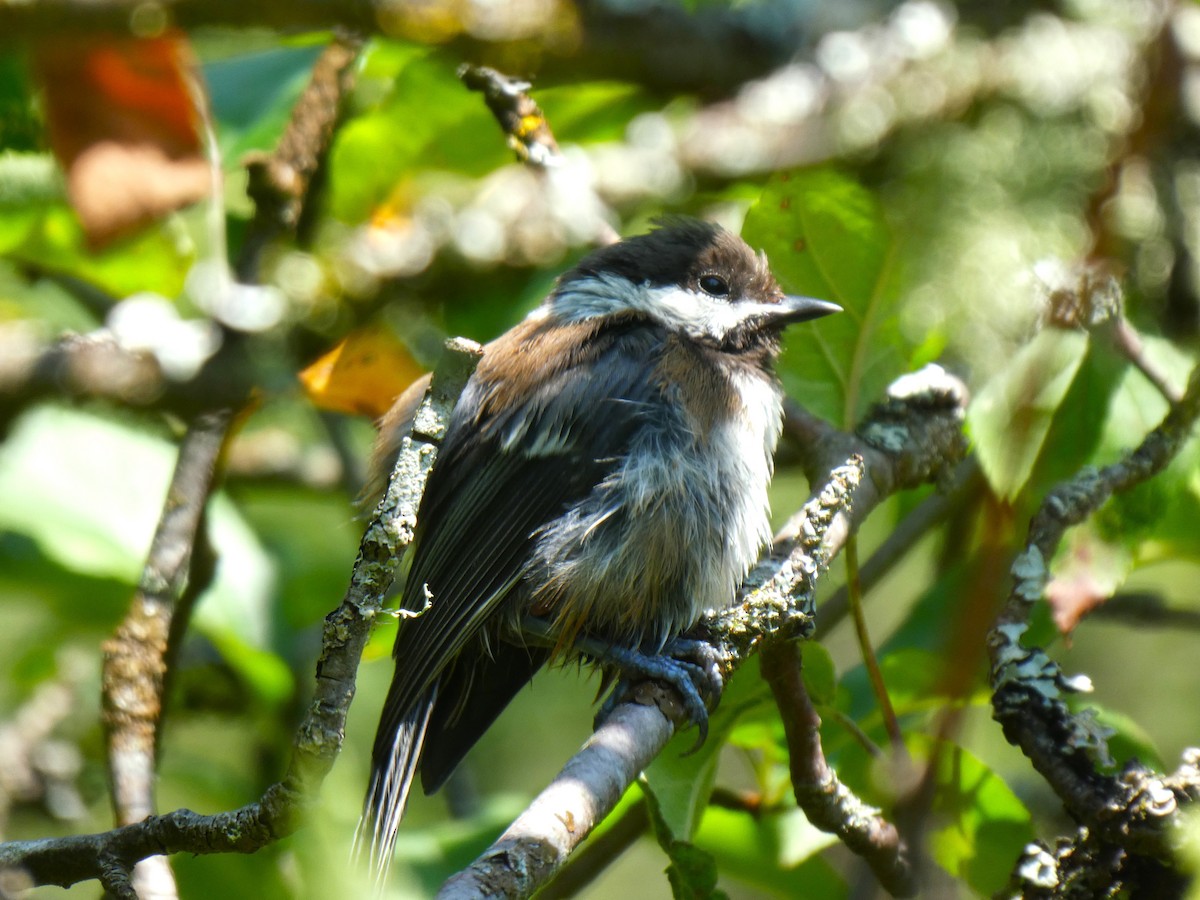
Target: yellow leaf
[{"x": 361, "y": 375}]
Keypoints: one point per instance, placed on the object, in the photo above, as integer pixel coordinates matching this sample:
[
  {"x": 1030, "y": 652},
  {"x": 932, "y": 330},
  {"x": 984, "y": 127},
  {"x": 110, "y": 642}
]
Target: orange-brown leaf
[
  {"x": 1087, "y": 571},
  {"x": 363, "y": 374},
  {"x": 123, "y": 125}
]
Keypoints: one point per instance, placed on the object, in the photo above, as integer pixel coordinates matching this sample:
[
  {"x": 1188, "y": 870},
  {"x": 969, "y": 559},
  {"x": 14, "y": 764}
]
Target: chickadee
[{"x": 602, "y": 483}]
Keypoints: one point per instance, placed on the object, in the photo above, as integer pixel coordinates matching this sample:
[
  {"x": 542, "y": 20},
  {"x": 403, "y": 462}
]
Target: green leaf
[
  {"x": 1157, "y": 518},
  {"x": 826, "y": 237},
  {"x": 252, "y": 97},
  {"x": 692, "y": 872},
  {"x": 313, "y": 538},
  {"x": 977, "y": 824},
  {"x": 88, "y": 493},
  {"x": 42, "y": 304},
  {"x": 681, "y": 782},
  {"x": 156, "y": 260},
  {"x": 820, "y": 674},
  {"x": 1081, "y": 420},
  {"x": 1010, "y": 418},
  {"x": 428, "y": 121},
  {"x": 777, "y": 852},
  {"x": 28, "y": 182},
  {"x": 592, "y": 111},
  {"x": 981, "y": 824}
]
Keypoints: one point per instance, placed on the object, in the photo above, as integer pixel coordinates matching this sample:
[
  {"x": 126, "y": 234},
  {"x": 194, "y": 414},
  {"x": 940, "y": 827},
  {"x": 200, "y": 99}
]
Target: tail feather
[
  {"x": 472, "y": 696},
  {"x": 392, "y": 774}
]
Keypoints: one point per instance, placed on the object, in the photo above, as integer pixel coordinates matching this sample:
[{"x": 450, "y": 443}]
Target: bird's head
[{"x": 689, "y": 276}]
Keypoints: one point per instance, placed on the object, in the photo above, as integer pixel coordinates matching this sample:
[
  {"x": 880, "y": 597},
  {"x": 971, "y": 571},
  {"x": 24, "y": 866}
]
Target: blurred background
[{"x": 948, "y": 172}]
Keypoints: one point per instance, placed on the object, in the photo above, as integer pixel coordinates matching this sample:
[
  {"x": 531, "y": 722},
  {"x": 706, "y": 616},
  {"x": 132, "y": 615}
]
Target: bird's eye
[{"x": 714, "y": 285}]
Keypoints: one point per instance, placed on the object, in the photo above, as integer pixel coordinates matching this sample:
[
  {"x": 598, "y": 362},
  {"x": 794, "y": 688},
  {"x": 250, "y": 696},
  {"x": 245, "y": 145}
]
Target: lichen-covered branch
[
  {"x": 1029, "y": 688},
  {"x": 137, "y": 658},
  {"x": 1085, "y": 864},
  {"x": 924, "y": 438}
]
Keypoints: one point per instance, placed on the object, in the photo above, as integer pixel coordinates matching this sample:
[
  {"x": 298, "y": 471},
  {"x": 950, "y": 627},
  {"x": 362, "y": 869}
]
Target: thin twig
[
  {"x": 527, "y": 130},
  {"x": 1146, "y": 610},
  {"x": 279, "y": 182},
  {"x": 96, "y": 366},
  {"x": 518, "y": 115},
  {"x": 867, "y": 649},
  {"x": 1129, "y": 344},
  {"x": 137, "y": 657},
  {"x": 829, "y": 804}
]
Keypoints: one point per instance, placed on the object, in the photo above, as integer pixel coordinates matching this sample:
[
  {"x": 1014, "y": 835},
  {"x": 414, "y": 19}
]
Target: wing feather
[{"x": 503, "y": 473}]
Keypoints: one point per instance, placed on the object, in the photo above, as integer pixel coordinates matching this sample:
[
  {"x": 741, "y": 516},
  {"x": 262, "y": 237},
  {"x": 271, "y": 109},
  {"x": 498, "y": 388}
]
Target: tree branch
[
  {"x": 919, "y": 431},
  {"x": 826, "y": 801},
  {"x": 1134, "y": 807},
  {"x": 137, "y": 658},
  {"x": 66, "y": 861},
  {"x": 665, "y": 47},
  {"x": 279, "y": 182}
]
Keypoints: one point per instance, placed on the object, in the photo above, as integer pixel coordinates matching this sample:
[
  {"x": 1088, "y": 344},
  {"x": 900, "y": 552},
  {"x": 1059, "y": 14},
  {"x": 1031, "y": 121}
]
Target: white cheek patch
[
  {"x": 698, "y": 314},
  {"x": 692, "y": 312}
]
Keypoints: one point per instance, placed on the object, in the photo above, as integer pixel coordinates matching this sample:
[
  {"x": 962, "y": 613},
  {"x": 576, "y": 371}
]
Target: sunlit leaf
[
  {"x": 595, "y": 111},
  {"x": 156, "y": 260},
  {"x": 428, "y": 121},
  {"x": 976, "y": 826},
  {"x": 1010, "y": 418},
  {"x": 826, "y": 237},
  {"x": 777, "y": 852},
  {"x": 980, "y": 825},
  {"x": 363, "y": 374}
]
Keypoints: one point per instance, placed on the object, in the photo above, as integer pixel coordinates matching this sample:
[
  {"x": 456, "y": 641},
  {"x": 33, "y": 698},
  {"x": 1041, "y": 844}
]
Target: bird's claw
[{"x": 689, "y": 666}]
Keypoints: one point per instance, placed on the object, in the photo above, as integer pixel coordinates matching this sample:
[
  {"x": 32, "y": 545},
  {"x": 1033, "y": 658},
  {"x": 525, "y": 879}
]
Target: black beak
[{"x": 803, "y": 309}]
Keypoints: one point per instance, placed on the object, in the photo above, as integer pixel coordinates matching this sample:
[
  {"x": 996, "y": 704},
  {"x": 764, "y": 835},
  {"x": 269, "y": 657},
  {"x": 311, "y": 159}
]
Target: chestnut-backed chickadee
[{"x": 603, "y": 479}]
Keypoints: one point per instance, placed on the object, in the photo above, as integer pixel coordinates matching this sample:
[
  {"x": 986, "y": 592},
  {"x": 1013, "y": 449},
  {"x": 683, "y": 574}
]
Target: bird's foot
[{"x": 691, "y": 667}]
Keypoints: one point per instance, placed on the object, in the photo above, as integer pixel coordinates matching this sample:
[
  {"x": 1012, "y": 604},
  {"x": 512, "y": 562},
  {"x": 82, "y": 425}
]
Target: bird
[{"x": 601, "y": 484}]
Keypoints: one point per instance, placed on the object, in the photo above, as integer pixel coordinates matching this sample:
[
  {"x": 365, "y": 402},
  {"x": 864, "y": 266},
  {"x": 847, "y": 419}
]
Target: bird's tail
[{"x": 392, "y": 773}]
